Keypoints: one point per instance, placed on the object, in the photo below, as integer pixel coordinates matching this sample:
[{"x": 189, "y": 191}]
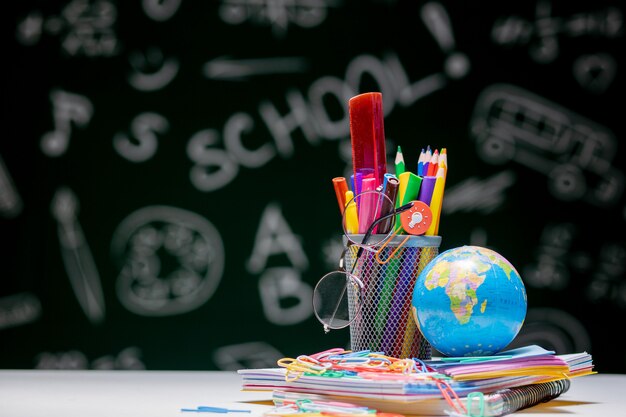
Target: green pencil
[{"x": 400, "y": 168}]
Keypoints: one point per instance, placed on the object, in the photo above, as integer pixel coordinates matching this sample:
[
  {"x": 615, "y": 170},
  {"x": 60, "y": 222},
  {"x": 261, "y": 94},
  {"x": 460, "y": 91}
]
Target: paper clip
[
  {"x": 481, "y": 404},
  {"x": 349, "y": 356},
  {"x": 206, "y": 409},
  {"x": 354, "y": 361},
  {"x": 295, "y": 368},
  {"x": 394, "y": 376},
  {"x": 358, "y": 353},
  {"x": 320, "y": 356},
  {"x": 328, "y": 374},
  {"x": 422, "y": 368},
  {"x": 449, "y": 395},
  {"x": 376, "y": 362},
  {"x": 392, "y": 254},
  {"x": 316, "y": 364},
  {"x": 308, "y": 406},
  {"x": 405, "y": 366},
  {"x": 301, "y": 365}
]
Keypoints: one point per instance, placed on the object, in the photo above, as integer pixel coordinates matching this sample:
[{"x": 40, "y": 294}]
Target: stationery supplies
[
  {"x": 372, "y": 294},
  {"x": 368, "y": 136},
  {"x": 424, "y": 387}
]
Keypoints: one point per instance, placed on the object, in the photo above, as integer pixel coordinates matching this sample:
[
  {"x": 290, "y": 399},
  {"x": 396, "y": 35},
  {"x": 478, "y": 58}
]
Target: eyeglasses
[{"x": 337, "y": 295}]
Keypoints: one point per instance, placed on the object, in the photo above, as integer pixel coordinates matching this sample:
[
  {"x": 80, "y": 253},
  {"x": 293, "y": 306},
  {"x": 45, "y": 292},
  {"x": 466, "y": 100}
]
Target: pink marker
[{"x": 369, "y": 203}]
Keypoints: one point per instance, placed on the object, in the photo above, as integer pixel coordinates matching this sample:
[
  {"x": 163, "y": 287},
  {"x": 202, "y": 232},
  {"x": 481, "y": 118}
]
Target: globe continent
[{"x": 469, "y": 301}]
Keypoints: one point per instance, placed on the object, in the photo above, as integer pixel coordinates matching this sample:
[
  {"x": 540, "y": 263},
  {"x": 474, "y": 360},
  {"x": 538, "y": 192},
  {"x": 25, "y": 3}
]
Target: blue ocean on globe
[{"x": 469, "y": 301}]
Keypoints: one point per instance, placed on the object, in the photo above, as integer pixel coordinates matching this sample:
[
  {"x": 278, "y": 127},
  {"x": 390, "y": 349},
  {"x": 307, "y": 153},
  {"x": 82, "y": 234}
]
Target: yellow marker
[
  {"x": 352, "y": 219},
  {"x": 436, "y": 202}
]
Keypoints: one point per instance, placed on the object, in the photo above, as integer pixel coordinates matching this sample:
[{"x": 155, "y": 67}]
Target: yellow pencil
[
  {"x": 443, "y": 161},
  {"x": 436, "y": 202}
]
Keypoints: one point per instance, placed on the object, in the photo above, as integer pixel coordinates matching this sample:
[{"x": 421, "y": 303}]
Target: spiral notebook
[{"x": 498, "y": 403}]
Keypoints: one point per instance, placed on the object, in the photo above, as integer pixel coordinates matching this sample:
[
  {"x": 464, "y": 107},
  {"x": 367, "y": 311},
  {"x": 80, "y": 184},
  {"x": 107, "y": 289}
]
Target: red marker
[{"x": 367, "y": 134}]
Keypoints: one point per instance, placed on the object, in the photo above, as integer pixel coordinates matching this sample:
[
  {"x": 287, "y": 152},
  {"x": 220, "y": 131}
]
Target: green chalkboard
[{"x": 165, "y": 168}]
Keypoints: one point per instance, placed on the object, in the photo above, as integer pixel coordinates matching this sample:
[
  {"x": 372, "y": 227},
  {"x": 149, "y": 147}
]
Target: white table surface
[{"x": 34, "y": 393}]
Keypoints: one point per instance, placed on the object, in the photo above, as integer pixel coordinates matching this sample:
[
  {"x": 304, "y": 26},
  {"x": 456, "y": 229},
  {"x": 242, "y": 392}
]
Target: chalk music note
[
  {"x": 67, "y": 108},
  {"x": 77, "y": 256}
]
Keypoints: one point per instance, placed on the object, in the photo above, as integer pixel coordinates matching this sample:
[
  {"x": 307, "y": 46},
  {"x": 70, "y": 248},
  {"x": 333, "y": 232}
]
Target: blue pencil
[{"x": 420, "y": 163}]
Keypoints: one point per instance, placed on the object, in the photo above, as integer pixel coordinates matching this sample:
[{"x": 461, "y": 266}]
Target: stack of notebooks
[{"x": 496, "y": 385}]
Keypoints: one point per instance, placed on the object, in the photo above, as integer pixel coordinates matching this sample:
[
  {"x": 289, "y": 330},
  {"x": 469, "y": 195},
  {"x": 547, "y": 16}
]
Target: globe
[{"x": 469, "y": 301}]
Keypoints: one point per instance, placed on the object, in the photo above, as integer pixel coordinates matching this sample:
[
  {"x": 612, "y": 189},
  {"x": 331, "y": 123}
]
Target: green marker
[{"x": 399, "y": 162}]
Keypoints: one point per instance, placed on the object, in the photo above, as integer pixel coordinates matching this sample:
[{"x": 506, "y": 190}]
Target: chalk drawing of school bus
[{"x": 512, "y": 124}]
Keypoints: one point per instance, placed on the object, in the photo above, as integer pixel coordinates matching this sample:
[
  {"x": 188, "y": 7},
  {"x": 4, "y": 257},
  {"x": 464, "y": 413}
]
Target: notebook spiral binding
[{"x": 514, "y": 399}]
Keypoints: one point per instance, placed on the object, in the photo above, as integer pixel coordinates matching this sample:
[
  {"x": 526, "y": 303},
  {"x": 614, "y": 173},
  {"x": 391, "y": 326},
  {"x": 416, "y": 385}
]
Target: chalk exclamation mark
[{"x": 436, "y": 19}]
